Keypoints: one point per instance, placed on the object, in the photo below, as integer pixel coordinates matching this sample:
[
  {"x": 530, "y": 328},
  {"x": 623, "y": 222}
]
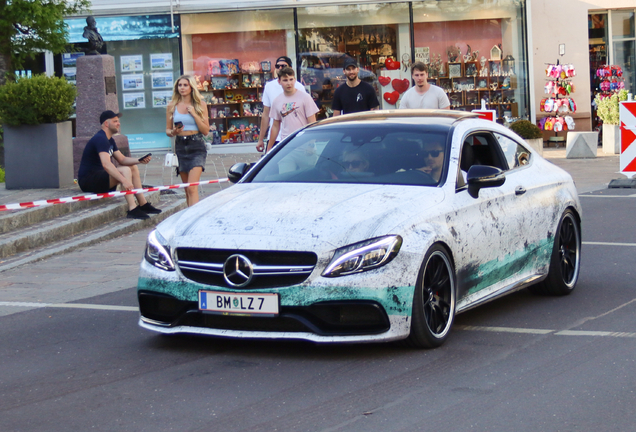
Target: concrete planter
[
  {"x": 611, "y": 139},
  {"x": 38, "y": 156},
  {"x": 536, "y": 144}
]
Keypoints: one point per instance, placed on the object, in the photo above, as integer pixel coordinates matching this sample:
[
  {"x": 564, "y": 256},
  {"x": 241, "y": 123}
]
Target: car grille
[{"x": 271, "y": 268}]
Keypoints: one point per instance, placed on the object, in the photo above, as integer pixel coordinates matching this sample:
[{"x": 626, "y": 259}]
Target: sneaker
[
  {"x": 137, "y": 213},
  {"x": 148, "y": 208}
]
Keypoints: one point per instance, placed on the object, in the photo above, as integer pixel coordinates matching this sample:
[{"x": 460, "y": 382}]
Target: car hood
[{"x": 297, "y": 215}]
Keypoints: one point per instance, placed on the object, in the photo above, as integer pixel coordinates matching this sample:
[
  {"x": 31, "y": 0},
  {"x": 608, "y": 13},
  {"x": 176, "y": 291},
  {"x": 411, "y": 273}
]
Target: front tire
[
  {"x": 434, "y": 300},
  {"x": 565, "y": 263}
]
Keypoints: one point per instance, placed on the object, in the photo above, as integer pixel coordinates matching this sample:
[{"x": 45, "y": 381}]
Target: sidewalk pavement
[{"x": 114, "y": 265}]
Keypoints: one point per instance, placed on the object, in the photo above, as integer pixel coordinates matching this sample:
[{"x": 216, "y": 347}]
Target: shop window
[
  {"x": 232, "y": 55},
  {"x": 475, "y": 53},
  {"x": 369, "y": 33},
  {"x": 146, "y": 53}
]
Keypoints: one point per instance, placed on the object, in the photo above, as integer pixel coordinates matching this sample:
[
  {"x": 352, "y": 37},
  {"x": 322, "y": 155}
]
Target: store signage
[{"x": 627, "y": 114}]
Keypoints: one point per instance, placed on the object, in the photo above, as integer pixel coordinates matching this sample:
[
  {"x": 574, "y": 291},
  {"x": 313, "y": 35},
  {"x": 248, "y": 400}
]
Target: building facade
[{"x": 491, "y": 50}]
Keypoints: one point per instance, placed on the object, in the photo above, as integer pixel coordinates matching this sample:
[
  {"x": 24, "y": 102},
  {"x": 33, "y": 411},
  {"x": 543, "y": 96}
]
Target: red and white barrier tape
[{"x": 91, "y": 197}]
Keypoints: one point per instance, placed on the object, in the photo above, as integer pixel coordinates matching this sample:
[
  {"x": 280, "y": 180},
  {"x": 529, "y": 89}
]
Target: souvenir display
[
  {"x": 234, "y": 100},
  {"x": 559, "y": 103}
]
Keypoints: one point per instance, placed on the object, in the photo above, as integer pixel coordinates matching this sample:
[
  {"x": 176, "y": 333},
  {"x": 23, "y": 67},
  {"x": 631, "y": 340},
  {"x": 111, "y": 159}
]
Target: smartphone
[
  {"x": 178, "y": 124},
  {"x": 144, "y": 157}
]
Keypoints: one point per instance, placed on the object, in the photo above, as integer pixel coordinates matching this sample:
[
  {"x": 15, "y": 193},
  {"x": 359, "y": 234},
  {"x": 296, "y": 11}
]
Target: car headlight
[
  {"x": 363, "y": 256},
  {"x": 158, "y": 252}
]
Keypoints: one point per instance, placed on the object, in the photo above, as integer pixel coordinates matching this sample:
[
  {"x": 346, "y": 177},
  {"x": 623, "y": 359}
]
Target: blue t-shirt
[{"x": 90, "y": 158}]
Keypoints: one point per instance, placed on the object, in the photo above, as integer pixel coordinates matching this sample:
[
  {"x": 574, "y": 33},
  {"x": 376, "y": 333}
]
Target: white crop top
[{"x": 188, "y": 121}]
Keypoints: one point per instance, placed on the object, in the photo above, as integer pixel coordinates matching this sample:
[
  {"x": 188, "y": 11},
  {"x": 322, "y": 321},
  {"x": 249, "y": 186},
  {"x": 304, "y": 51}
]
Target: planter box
[
  {"x": 536, "y": 144},
  {"x": 38, "y": 156},
  {"x": 611, "y": 139}
]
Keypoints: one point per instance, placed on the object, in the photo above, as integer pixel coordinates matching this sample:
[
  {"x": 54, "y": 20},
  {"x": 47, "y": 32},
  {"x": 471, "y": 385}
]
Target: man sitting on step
[{"x": 97, "y": 174}]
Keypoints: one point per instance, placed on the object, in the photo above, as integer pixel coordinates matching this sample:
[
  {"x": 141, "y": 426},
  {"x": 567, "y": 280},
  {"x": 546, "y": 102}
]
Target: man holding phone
[{"x": 97, "y": 174}]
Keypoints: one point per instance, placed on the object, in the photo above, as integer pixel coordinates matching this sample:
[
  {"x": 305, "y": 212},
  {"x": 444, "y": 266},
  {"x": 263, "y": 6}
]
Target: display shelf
[{"x": 228, "y": 104}]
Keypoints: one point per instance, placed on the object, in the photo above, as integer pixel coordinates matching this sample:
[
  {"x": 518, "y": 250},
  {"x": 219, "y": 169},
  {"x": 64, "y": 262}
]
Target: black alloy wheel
[
  {"x": 434, "y": 300},
  {"x": 565, "y": 263}
]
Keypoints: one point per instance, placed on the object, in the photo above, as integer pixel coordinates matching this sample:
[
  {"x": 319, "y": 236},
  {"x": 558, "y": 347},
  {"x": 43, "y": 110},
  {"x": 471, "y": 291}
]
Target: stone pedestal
[
  {"x": 581, "y": 145},
  {"x": 611, "y": 139},
  {"x": 96, "y": 92}
]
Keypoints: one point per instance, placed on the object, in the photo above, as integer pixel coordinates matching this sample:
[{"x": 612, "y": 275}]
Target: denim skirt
[{"x": 191, "y": 152}]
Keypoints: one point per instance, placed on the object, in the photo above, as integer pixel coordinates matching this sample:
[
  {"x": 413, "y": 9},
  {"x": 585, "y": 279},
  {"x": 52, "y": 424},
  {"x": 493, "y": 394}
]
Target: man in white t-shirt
[
  {"x": 424, "y": 94},
  {"x": 291, "y": 110},
  {"x": 271, "y": 91}
]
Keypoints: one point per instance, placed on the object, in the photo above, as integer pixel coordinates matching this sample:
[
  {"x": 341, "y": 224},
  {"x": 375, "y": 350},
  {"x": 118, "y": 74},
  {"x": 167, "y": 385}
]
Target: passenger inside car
[
  {"x": 355, "y": 161},
  {"x": 433, "y": 158}
]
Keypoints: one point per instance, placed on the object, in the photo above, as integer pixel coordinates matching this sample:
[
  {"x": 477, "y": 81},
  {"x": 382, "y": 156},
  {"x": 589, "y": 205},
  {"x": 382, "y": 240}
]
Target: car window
[
  {"x": 360, "y": 154},
  {"x": 516, "y": 154},
  {"x": 481, "y": 149}
]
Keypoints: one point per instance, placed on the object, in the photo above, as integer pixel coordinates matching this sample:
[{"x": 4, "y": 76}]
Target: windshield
[{"x": 401, "y": 154}]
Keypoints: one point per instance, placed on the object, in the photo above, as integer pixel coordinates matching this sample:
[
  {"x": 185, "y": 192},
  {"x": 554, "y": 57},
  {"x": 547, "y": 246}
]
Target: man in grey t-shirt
[{"x": 424, "y": 94}]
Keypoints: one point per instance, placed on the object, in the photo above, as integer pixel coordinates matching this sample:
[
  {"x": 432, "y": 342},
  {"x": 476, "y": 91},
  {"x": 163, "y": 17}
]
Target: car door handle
[{"x": 520, "y": 190}]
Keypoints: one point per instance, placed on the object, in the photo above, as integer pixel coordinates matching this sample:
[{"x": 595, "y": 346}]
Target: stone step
[
  {"x": 115, "y": 228},
  {"x": 60, "y": 226}
]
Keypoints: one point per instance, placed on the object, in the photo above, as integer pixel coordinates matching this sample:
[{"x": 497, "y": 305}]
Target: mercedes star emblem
[{"x": 238, "y": 271}]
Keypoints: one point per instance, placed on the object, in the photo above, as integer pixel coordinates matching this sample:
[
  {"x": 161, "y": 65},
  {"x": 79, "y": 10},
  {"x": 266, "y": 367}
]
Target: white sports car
[{"x": 376, "y": 226}]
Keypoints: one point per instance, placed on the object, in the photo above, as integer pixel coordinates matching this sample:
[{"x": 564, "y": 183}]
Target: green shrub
[
  {"x": 1, "y": 175},
  {"x": 36, "y": 100},
  {"x": 607, "y": 107},
  {"x": 526, "y": 129}
]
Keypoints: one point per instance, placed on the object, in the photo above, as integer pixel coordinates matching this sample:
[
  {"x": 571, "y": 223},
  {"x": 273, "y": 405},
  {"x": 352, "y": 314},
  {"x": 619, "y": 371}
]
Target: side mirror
[
  {"x": 237, "y": 171},
  {"x": 483, "y": 176}
]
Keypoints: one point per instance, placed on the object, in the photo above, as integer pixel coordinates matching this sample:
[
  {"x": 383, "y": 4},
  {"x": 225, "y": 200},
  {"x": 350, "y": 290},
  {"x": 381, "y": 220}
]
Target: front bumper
[{"x": 318, "y": 310}]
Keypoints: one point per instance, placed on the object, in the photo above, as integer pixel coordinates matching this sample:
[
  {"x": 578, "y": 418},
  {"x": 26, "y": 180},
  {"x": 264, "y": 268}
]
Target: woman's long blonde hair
[{"x": 196, "y": 96}]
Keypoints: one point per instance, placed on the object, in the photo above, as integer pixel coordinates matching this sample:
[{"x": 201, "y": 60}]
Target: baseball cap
[
  {"x": 107, "y": 115},
  {"x": 285, "y": 59},
  {"x": 349, "y": 62}
]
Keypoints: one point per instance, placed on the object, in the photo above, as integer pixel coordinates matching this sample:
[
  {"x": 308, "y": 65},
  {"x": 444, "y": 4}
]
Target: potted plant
[
  {"x": 608, "y": 111},
  {"x": 38, "y": 146},
  {"x": 530, "y": 133}
]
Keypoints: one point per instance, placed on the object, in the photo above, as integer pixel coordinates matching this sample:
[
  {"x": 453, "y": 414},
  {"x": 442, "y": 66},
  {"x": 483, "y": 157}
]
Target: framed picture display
[
  {"x": 132, "y": 82},
  {"x": 422, "y": 54},
  {"x": 133, "y": 63},
  {"x": 266, "y": 66},
  {"x": 160, "y": 99},
  {"x": 134, "y": 100},
  {"x": 454, "y": 70},
  {"x": 162, "y": 80},
  {"x": 161, "y": 61}
]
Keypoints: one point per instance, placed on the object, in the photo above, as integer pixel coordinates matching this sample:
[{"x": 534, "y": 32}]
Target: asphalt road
[{"x": 522, "y": 363}]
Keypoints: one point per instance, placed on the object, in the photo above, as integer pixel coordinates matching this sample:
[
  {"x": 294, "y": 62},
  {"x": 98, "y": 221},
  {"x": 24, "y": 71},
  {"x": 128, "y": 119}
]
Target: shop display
[
  {"x": 469, "y": 82},
  {"x": 558, "y": 104},
  {"x": 234, "y": 101}
]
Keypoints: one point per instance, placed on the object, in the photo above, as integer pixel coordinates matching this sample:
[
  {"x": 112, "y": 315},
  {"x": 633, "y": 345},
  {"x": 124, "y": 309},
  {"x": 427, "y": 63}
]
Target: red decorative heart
[
  {"x": 391, "y": 97},
  {"x": 384, "y": 80},
  {"x": 392, "y": 64},
  {"x": 401, "y": 85}
]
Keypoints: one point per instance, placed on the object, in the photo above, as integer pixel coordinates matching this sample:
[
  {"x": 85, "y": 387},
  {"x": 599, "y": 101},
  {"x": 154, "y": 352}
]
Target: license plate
[{"x": 238, "y": 303}]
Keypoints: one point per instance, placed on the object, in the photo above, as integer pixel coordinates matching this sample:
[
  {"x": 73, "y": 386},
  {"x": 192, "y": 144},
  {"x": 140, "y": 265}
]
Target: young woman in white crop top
[{"x": 187, "y": 106}]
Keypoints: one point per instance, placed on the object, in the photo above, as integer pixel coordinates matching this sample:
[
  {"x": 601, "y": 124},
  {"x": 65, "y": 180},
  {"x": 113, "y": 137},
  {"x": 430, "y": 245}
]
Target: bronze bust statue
[{"x": 94, "y": 38}]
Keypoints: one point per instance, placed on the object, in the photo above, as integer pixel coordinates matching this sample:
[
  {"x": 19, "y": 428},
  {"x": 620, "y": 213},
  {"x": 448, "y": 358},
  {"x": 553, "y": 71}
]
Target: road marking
[
  {"x": 544, "y": 332},
  {"x": 459, "y": 327},
  {"x": 607, "y": 196},
  {"x": 609, "y": 244},
  {"x": 71, "y": 306}
]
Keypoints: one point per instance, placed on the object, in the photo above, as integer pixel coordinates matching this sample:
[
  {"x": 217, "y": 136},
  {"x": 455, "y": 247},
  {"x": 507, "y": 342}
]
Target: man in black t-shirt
[
  {"x": 98, "y": 174},
  {"x": 355, "y": 95}
]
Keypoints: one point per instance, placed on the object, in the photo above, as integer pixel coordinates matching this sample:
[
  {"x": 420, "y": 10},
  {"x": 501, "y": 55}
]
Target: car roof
[{"x": 423, "y": 116}]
